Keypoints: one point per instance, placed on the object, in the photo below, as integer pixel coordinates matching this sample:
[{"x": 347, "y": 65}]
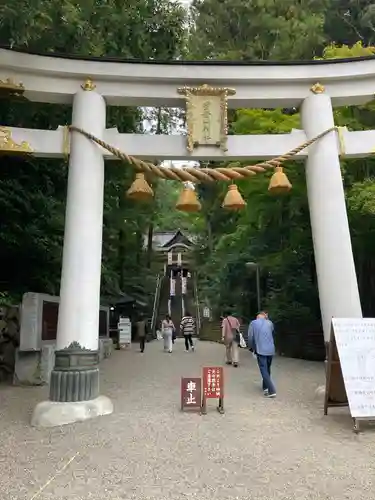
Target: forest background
[{"x": 273, "y": 232}]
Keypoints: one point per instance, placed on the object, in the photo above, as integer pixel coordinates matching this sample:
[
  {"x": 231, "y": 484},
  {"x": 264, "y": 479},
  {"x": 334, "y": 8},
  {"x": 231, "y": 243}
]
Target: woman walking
[
  {"x": 230, "y": 335},
  {"x": 167, "y": 329},
  {"x": 187, "y": 328}
]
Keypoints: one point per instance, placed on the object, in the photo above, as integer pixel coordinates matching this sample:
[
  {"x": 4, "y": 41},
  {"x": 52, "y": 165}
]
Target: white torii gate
[{"x": 92, "y": 85}]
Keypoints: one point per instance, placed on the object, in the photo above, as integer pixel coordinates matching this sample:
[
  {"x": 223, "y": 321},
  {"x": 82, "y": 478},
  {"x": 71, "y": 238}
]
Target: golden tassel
[
  {"x": 279, "y": 182},
  {"x": 188, "y": 200},
  {"x": 340, "y": 132},
  {"x": 140, "y": 190},
  {"x": 66, "y": 143},
  {"x": 233, "y": 199}
]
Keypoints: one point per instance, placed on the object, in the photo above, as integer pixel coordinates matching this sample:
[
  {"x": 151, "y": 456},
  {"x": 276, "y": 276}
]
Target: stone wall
[
  {"x": 35, "y": 367},
  {"x": 9, "y": 341},
  {"x": 34, "y": 354}
]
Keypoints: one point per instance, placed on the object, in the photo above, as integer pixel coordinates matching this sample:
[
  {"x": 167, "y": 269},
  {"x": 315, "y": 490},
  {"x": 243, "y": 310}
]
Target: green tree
[
  {"x": 350, "y": 21},
  {"x": 275, "y": 231},
  {"x": 256, "y": 30},
  {"x": 33, "y": 190}
]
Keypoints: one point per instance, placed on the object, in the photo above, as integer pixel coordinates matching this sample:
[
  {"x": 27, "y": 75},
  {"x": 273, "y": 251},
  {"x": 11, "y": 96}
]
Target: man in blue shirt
[{"x": 260, "y": 341}]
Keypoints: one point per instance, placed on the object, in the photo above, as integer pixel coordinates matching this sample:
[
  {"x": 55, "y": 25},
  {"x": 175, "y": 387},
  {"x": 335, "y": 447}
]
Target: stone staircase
[
  {"x": 211, "y": 331},
  {"x": 163, "y": 302},
  {"x": 176, "y": 307},
  {"x": 176, "y": 302}
]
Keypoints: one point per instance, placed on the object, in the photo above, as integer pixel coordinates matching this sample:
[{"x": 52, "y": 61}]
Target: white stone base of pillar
[{"x": 54, "y": 414}]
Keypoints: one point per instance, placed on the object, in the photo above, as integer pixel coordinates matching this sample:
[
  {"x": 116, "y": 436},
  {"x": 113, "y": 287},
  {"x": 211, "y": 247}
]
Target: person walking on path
[
  {"x": 167, "y": 328},
  {"x": 187, "y": 328},
  {"x": 230, "y": 335},
  {"x": 142, "y": 332},
  {"x": 261, "y": 343}
]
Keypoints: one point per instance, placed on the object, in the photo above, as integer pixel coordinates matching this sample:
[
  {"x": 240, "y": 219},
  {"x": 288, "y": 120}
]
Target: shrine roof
[
  {"x": 178, "y": 238},
  {"x": 163, "y": 240}
]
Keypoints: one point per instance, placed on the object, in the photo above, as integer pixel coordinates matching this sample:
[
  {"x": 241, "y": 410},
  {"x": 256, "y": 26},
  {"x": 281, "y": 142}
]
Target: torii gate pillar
[
  {"x": 74, "y": 387},
  {"x": 337, "y": 280}
]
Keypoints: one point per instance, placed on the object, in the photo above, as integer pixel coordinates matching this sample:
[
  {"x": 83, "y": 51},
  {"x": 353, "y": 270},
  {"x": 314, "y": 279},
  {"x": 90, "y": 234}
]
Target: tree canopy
[
  {"x": 33, "y": 191},
  {"x": 275, "y": 232}
]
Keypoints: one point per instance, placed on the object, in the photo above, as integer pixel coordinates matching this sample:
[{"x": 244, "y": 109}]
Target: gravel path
[{"x": 147, "y": 450}]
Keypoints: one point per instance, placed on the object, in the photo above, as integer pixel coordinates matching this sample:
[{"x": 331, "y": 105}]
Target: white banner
[
  {"x": 170, "y": 258},
  {"x": 206, "y": 312},
  {"x": 179, "y": 259},
  {"x": 184, "y": 285},
  {"x": 355, "y": 341},
  {"x": 172, "y": 287}
]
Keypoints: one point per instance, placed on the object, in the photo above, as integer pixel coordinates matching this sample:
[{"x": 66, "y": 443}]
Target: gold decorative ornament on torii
[
  {"x": 9, "y": 146},
  {"x": 9, "y": 88}
]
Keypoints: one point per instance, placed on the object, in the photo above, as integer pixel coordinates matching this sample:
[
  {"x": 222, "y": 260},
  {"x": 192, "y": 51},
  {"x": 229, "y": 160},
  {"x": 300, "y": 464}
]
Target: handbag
[
  {"x": 237, "y": 335},
  {"x": 242, "y": 342}
]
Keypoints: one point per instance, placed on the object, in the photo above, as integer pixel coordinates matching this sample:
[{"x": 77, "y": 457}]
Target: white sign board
[
  {"x": 125, "y": 331},
  {"x": 355, "y": 341},
  {"x": 170, "y": 258},
  {"x": 206, "y": 312},
  {"x": 172, "y": 288}
]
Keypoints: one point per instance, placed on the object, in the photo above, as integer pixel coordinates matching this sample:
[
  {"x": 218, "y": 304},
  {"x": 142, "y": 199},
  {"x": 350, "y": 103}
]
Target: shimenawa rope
[{"x": 206, "y": 174}]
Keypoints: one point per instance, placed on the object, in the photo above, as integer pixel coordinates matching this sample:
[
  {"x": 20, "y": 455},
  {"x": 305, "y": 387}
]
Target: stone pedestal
[
  {"x": 53, "y": 414},
  {"x": 75, "y": 376}
]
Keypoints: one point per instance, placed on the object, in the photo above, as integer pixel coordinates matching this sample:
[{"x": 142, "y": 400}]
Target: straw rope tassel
[
  {"x": 140, "y": 189},
  {"x": 233, "y": 199},
  {"x": 188, "y": 200},
  {"x": 279, "y": 182},
  {"x": 66, "y": 143}
]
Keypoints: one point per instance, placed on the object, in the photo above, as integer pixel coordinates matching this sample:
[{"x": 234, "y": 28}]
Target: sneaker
[
  {"x": 193, "y": 347},
  {"x": 235, "y": 365},
  {"x": 228, "y": 362},
  {"x": 271, "y": 395},
  {"x": 265, "y": 392}
]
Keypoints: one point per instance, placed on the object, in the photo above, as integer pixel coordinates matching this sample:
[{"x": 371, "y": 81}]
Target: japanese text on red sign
[{"x": 213, "y": 382}]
